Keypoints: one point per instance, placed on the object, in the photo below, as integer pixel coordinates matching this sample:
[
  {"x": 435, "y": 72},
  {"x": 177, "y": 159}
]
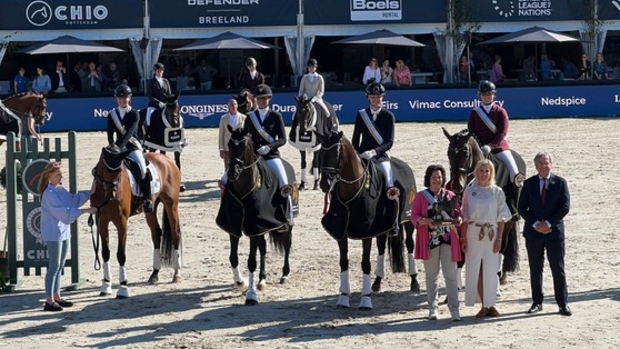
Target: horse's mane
[
  {"x": 346, "y": 144},
  {"x": 23, "y": 94}
]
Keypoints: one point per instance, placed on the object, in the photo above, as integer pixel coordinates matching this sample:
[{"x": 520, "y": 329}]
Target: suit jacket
[
  {"x": 75, "y": 81},
  {"x": 363, "y": 140},
  {"x": 251, "y": 84},
  {"x": 557, "y": 204},
  {"x": 55, "y": 78},
  {"x": 98, "y": 83},
  {"x": 499, "y": 117},
  {"x": 224, "y": 134},
  {"x": 156, "y": 91},
  {"x": 274, "y": 126}
]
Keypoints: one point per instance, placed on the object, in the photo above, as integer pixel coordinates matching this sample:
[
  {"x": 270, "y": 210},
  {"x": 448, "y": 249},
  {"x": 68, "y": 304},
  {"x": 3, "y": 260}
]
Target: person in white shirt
[
  {"x": 235, "y": 120},
  {"x": 372, "y": 72}
]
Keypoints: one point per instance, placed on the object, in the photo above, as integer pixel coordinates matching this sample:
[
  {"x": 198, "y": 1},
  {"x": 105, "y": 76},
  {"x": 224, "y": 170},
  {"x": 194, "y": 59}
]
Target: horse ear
[
  {"x": 340, "y": 134},
  {"x": 296, "y": 99},
  {"x": 445, "y": 132}
]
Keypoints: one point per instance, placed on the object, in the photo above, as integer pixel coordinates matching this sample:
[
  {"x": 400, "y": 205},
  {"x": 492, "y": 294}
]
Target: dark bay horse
[
  {"x": 113, "y": 196},
  {"x": 15, "y": 107},
  {"x": 360, "y": 210},
  {"x": 310, "y": 120},
  {"x": 164, "y": 131},
  {"x": 250, "y": 206},
  {"x": 464, "y": 152}
]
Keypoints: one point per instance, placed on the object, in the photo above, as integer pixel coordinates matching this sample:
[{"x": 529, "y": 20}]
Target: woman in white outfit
[{"x": 484, "y": 211}]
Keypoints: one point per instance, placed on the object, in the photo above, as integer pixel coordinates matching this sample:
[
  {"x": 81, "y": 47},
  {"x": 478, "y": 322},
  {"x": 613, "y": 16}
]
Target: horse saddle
[
  {"x": 135, "y": 177},
  {"x": 157, "y": 133},
  {"x": 503, "y": 180}
]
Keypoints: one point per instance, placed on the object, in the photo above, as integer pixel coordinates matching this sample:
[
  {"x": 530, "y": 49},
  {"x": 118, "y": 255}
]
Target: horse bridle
[
  {"x": 335, "y": 171},
  {"x": 245, "y": 140},
  {"x": 39, "y": 107},
  {"x": 310, "y": 121},
  {"x": 459, "y": 171}
]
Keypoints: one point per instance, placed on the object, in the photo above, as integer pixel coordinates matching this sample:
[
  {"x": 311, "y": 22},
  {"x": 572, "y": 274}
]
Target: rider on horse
[
  {"x": 373, "y": 135},
  {"x": 123, "y": 122},
  {"x": 313, "y": 86},
  {"x": 157, "y": 91},
  {"x": 489, "y": 123}
]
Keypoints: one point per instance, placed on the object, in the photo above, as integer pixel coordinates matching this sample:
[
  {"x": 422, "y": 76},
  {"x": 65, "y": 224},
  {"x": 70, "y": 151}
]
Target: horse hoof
[
  {"x": 415, "y": 286},
  {"x": 251, "y": 302},
  {"x": 343, "y": 302},
  {"x": 182, "y": 188},
  {"x": 283, "y": 280},
  {"x": 503, "y": 280},
  {"x": 376, "y": 286},
  {"x": 104, "y": 294},
  {"x": 262, "y": 285},
  {"x": 242, "y": 286},
  {"x": 365, "y": 303},
  {"x": 153, "y": 280},
  {"x": 177, "y": 279}
]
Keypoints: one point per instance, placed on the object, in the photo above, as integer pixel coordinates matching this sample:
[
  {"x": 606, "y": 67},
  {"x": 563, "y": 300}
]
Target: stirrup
[
  {"x": 393, "y": 193},
  {"x": 286, "y": 190},
  {"x": 148, "y": 205},
  {"x": 519, "y": 179}
]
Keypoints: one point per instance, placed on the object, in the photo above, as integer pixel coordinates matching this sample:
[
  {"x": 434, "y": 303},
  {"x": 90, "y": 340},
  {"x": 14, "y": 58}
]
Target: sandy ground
[{"x": 205, "y": 311}]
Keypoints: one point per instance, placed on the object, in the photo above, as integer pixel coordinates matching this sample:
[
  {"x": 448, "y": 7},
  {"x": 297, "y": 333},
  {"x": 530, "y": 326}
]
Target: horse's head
[
  {"x": 26, "y": 103},
  {"x": 245, "y": 101},
  {"x": 304, "y": 112},
  {"x": 330, "y": 159},
  {"x": 107, "y": 174},
  {"x": 462, "y": 153},
  {"x": 241, "y": 152},
  {"x": 171, "y": 112}
]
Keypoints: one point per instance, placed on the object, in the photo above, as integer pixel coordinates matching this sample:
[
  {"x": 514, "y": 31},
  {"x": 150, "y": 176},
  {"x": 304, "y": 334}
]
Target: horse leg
[
  {"x": 345, "y": 288},
  {"x": 302, "y": 184},
  {"x": 240, "y": 282},
  {"x": 412, "y": 267},
  {"x": 123, "y": 291},
  {"x": 177, "y": 161},
  {"x": 171, "y": 233},
  {"x": 156, "y": 232},
  {"x": 380, "y": 271},
  {"x": 510, "y": 251},
  {"x": 262, "y": 274},
  {"x": 286, "y": 269},
  {"x": 315, "y": 170},
  {"x": 365, "y": 301},
  {"x": 106, "y": 285},
  {"x": 251, "y": 297}
]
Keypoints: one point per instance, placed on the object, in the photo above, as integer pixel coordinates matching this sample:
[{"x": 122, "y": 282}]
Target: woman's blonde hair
[
  {"x": 491, "y": 168},
  {"x": 44, "y": 181}
]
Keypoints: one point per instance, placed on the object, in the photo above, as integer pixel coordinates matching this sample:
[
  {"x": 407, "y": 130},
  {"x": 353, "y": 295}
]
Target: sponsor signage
[
  {"x": 90, "y": 114},
  {"x": 35, "y": 252},
  {"x": 69, "y": 14},
  {"x": 373, "y": 11},
  {"x": 222, "y": 13},
  {"x": 529, "y": 10}
]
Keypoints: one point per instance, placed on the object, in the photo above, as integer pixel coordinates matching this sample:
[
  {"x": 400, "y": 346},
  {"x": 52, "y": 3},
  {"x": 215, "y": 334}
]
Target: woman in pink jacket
[{"x": 436, "y": 243}]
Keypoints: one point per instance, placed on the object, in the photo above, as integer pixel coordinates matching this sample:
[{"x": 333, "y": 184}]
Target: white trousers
[
  {"x": 149, "y": 111},
  {"x": 137, "y": 156},
  {"x": 481, "y": 252},
  {"x": 441, "y": 255},
  {"x": 509, "y": 160},
  {"x": 386, "y": 168},
  {"x": 322, "y": 104}
]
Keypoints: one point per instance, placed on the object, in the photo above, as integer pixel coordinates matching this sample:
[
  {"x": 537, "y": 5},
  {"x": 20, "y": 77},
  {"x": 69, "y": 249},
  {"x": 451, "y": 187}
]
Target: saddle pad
[{"x": 155, "y": 182}]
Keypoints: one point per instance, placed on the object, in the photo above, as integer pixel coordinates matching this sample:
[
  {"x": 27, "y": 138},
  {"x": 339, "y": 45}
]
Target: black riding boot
[{"x": 146, "y": 191}]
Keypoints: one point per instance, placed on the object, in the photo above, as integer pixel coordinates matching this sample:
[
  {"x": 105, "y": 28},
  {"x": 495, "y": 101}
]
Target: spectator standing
[
  {"x": 93, "y": 81},
  {"x": 497, "y": 72},
  {"x": 235, "y": 120},
  {"x": 20, "y": 82},
  {"x": 60, "y": 80}
]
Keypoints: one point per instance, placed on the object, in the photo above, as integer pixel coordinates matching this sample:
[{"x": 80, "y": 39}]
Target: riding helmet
[
  {"x": 122, "y": 91},
  {"x": 158, "y": 65},
  {"x": 375, "y": 89},
  {"x": 250, "y": 61},
  {"x": 486, "y": 86},
  {"x": 263, "y": 90},
  {"x": 312, "y": 62}
]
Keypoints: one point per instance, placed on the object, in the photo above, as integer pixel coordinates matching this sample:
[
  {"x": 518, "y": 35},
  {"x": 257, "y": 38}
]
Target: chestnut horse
[
  {"x": 464, "y": 152},
  {"x": 113, "y": 196},
  {"x": 346, "y": 179},
  {"x": 14, "y": 108}
]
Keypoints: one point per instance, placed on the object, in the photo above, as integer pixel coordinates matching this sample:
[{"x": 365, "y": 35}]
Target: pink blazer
[{"x": 419, "y": 209}]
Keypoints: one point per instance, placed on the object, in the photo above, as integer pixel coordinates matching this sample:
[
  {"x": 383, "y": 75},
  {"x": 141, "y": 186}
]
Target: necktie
[{"x": 543, "y": 192}]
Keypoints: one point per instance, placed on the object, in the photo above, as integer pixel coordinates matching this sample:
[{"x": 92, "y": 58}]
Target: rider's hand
[
  {"x": 264, "y": 150},
  {"x": 162, "y": 105},
  {"x": 368, "y": 154},
  {"x": 486, "y": 150}
]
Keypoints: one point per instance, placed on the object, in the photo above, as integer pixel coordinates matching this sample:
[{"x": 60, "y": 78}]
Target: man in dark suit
[{"x": 543, "y": 203}]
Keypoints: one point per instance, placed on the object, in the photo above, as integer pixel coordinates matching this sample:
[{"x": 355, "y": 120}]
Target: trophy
[{"x": 442, "y": 210}]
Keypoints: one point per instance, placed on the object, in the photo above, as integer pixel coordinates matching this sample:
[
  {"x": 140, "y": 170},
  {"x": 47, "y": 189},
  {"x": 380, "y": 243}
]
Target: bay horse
[
  {"x": 249, "y": 207},
  {"x": 164, "y": 131},
  {"x": 360, "y": 210},
  {"x": 464, "y": 152},
  {"x": 116, "y": 203},
  {"x": 309, "y": 120},
  {"x": 16, "y": 107}
]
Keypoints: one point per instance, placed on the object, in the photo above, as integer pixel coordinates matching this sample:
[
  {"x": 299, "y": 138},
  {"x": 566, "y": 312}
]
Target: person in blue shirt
[
  {"x": 42, "y": 83},
  {"x": 20, "y": 82},
  {"x": 59, "y": 209}
]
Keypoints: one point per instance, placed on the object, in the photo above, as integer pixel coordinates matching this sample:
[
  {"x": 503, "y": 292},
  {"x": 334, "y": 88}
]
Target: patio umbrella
[
  {"x": 227, "y": 41},
  {"x": 67, "y": 44},
  {"x": 380, "y": 37}
]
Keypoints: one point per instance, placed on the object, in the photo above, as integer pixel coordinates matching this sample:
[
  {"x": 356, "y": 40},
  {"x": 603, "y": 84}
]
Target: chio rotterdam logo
[
  {"x": 39, "y": 13},
  {"x": 506, "y": 9}
]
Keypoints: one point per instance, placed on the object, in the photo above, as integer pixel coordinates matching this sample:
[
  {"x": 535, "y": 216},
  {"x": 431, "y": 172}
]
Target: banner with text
[
  {"x": 89, "y": 114},
  {"x": 373, "y": 11},
  {"x": 222, "y": 13},
  {"x": 529, "y": 10},
  {"x": 70, "y": 14}
]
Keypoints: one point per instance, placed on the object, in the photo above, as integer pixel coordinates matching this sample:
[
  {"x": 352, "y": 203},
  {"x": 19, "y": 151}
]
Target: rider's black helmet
[
  {"x": 158, "y": 65},
  {"x": 263, "y": 90},
  {"x": 375, "y": 89},
  {"x": 486, "y": 86},
  {"x": 312, "y": 63},
  {"x": 122, "y": 91}
]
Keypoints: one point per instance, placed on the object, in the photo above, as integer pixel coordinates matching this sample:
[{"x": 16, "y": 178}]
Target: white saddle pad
[{"x": 155, "y": 182}]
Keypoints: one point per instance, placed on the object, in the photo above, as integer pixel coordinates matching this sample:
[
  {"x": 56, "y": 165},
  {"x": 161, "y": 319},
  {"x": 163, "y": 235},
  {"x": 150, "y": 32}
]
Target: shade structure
[
  {"x": 380, "y": 37},
  {"x": 533, "y": 35},
  {"x": 227, "y": 41},
  {"x": 67, "y": 44}
]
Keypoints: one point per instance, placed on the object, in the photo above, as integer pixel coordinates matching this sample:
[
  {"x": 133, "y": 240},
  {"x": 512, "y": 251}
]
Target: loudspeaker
[{"x": 144, "y": 43}]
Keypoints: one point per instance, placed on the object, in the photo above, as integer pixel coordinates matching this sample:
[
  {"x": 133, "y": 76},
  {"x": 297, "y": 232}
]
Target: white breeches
[
  {"x": 386, "y": 168},
  {"x": 137, "y": 156},
  {"x": 481, "y": 252},
  {"x": 509, "y": 160},
  {"x": 322, "y": 104},
  {"x": 277, "y": 167}
]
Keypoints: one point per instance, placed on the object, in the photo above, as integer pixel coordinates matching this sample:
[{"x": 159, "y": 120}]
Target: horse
[
  {"x": 164, "y": 131},
  {"x": 360, "y": 210},
  {"x": 15, "y": 107},
  {"x": 464, "y": 152},
  {"x": 251, "y": 205},
  {"x": 309, "y": 120},
  {"x": 113, "y": 197},
  {"x": 246, "y": 103}
]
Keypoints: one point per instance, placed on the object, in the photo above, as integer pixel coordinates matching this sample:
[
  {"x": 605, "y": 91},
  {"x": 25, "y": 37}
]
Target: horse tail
[
  {"x": 280, "y": 240},
  {"x": 511, "y": 251},
  {"x": 167, "y": 243},
  {"x": 396, "y": 249}
]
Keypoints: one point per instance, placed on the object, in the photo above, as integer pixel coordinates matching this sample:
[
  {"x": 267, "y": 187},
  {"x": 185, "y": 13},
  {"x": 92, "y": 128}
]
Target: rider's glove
[
  {"x": 368, "y": 154},
  {"x": 264, "y": 150}
]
